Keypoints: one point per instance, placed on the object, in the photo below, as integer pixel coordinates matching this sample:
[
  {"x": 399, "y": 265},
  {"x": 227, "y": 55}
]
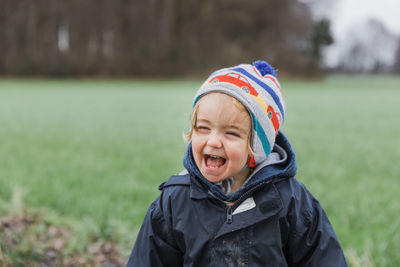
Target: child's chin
[
  {"x": 214, "y": 178},
  {"x": 214, "y": 175}
]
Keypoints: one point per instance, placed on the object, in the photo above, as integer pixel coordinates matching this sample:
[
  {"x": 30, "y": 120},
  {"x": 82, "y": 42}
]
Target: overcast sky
[{"x": 345, "y": 14}]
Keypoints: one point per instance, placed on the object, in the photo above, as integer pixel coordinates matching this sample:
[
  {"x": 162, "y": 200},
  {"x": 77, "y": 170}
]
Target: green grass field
[{"x": 94, "y": 152}]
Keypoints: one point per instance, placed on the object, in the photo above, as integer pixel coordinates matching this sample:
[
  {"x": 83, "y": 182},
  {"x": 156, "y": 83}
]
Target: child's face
[{"x": 220, "y": 137}]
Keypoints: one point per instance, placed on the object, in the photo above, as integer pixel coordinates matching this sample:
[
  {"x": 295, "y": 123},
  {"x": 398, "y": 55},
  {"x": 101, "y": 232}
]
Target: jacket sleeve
[
  {"x": 311, "y": 240},
  {"x": 154, "y": 245}
]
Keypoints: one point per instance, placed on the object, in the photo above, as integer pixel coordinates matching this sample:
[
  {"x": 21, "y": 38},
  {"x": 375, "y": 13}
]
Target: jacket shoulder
[
  {"x": 310, "y": 238},
  {"x": 182, "y": 179},
  {"x": 175, "y": 190},
  {"x": 292, "y": 188},
  {"x": 177, "y": 187}
]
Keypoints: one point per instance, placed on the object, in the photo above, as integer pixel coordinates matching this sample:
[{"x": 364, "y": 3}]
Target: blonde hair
[{"x": 193, "y": 120}]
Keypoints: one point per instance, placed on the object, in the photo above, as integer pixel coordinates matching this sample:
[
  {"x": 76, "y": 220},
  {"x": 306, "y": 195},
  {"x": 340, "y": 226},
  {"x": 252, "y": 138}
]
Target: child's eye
[
  {"x": 201, "y": 127},
  {"x": 233, "y": 134}
]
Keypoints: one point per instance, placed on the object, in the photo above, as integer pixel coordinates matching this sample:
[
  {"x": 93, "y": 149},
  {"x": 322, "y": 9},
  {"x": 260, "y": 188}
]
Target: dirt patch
[{"x": 28, "y": 240}]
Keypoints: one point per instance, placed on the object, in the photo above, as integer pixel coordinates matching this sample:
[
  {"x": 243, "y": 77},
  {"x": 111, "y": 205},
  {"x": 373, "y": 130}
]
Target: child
[{"x": 237, "y": 203}]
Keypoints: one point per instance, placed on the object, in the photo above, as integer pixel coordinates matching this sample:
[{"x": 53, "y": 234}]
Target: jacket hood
[{"x": 282, "y": 169}]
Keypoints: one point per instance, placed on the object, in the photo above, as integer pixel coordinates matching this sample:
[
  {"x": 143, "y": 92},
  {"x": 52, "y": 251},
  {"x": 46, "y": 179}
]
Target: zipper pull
[{"x": 229, "y": 216}]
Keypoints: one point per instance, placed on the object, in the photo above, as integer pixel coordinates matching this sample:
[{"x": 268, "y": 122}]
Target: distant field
[{"x": 95, "y": 151}]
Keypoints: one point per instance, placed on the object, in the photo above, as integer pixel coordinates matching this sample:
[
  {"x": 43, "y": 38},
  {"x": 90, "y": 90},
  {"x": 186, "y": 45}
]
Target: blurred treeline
[{"x": 156, "y": 37}]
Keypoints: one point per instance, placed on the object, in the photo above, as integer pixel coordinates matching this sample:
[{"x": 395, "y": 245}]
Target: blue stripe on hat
[
  {"x": 261, "y": 135},
  {"x": 266, "y": 88},
  {"x": 195, "y": 101}
]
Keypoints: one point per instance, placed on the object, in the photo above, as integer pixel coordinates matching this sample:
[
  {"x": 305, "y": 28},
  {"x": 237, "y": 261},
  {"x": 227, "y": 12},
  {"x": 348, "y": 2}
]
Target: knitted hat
[{"x": 257, "y": 88}]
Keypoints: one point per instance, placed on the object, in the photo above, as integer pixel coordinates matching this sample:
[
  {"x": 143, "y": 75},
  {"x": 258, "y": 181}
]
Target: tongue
[{"x": 215, "y": 162}]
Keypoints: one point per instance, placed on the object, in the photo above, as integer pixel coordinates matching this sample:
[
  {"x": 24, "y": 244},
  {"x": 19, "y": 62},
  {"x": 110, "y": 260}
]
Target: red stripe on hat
[
  {"x": 256, "y": 70},
  {"x": 268, "y": 76},
  {"x": 272, "y": 79}
]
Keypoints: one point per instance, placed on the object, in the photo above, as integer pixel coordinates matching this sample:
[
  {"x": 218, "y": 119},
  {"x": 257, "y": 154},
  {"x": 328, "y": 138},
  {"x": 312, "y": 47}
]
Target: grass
[{"x": 94, "y": 152}]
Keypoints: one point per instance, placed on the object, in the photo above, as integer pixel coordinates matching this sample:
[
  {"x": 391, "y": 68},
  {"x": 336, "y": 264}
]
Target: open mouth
[{"x": 213, "y": 161}]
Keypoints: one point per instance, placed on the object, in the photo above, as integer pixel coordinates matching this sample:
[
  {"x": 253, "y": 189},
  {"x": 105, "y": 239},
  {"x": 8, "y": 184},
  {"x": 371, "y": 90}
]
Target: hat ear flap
[{"x": 252, "y": 161}]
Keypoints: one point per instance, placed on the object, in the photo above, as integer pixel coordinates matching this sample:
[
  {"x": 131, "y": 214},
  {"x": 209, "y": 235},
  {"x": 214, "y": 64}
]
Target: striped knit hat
[{"x": 257, "y": 88}]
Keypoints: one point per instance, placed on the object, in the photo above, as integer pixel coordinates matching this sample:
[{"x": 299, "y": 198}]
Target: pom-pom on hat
[{"x": 257, "y": 88}]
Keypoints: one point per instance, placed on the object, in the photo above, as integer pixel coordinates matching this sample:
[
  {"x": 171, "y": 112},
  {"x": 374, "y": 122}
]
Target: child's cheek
[{"x": 196, "y": 150}]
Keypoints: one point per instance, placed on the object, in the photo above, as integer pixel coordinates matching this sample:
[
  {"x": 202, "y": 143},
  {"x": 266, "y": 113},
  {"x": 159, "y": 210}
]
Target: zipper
[
  {"x": 229, "y": 216},
  {"x": 230, "y": 209}
]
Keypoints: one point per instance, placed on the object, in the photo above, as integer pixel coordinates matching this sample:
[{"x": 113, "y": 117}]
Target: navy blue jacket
[{"x": 280, "y": 223}]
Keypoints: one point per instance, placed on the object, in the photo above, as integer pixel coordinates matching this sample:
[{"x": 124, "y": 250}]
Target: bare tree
[
  {"x": 396, "y": 65},
  {"x": 371, "y": 48},
  {"x": 154, "y": 37}
]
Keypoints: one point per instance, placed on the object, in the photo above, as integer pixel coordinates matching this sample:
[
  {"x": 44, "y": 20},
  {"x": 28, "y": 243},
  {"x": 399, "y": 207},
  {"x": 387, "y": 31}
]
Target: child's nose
[{"x": 214, "y": 140}]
